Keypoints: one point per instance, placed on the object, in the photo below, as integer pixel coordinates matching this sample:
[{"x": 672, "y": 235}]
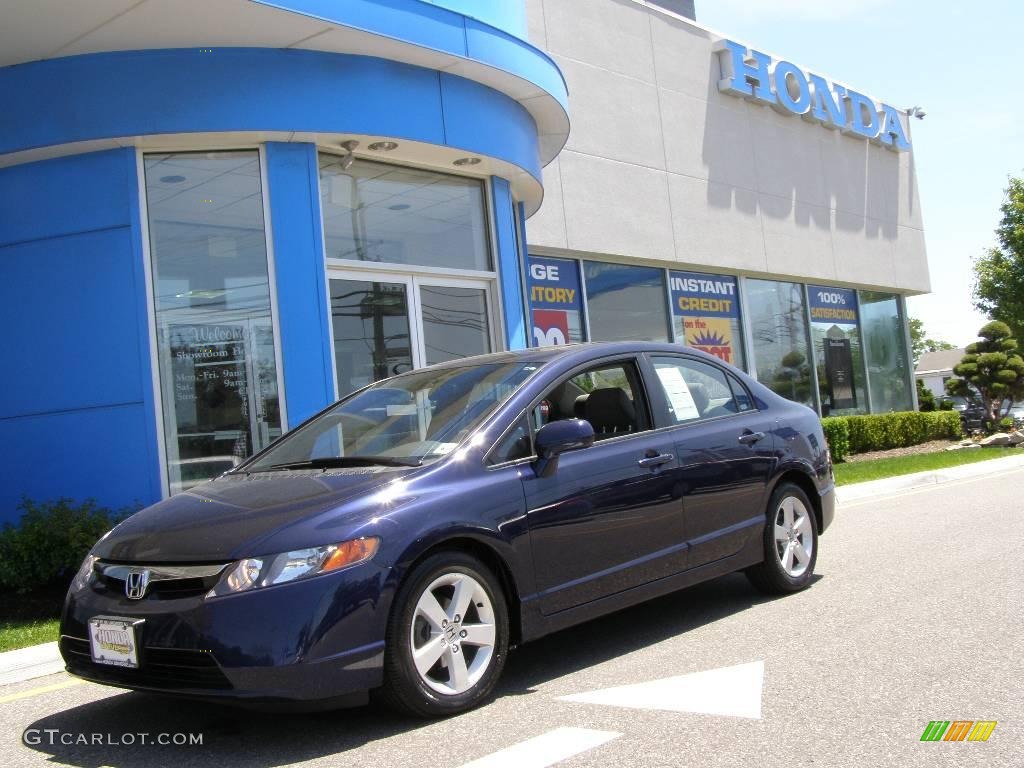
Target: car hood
[{"x": 238, "y": 515}]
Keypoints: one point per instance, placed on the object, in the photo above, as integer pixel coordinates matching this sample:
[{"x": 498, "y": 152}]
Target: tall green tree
[
  {"x": 999, "y": 272},
  {"x": 920, "y": 343},
  {"x": 992, "y": 372}
]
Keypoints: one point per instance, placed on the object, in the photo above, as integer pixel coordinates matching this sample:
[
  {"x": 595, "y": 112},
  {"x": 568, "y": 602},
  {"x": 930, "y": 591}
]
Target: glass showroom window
[
  {"x": 394, "y": 236},
  {"x": 215, "y": 335},
  {"x": 775, "y": 312},
  {"x": 835, "y": 334},
  {"x": 885, "y": 352},
  {"x": 625, "y": 303},
  {"x": 556, "y": 301},
  {"x": 396, "y": 215},
  {"x": 706, "y": 314}
]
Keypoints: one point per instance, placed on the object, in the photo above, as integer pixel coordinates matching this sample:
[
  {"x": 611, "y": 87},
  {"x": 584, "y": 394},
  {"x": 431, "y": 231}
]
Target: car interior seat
[{"x": 610, "y": 412}]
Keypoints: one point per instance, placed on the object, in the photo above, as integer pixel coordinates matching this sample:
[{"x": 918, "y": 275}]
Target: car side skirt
[{"x": 535, "y": 624}]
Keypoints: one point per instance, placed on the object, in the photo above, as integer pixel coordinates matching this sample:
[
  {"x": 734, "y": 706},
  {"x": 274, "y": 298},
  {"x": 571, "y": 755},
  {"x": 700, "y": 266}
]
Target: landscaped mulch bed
[{"x": 913, "y": 450}]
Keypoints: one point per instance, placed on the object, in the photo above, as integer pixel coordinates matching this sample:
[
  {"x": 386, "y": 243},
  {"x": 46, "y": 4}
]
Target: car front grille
[
  {"x": 166, "y": 582},
  {"x": 160, "y": 668}
]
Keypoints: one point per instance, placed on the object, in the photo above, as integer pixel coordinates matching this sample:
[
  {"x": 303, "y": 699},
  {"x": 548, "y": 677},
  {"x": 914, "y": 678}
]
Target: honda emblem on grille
[{"x": 135, "y": 585}]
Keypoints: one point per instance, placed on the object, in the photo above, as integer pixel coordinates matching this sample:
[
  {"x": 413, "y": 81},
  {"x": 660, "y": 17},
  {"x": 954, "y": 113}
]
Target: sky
[{"x": 955, "y": 60}]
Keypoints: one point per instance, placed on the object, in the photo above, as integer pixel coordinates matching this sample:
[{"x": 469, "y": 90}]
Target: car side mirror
[{"x": 558, "y": 437}]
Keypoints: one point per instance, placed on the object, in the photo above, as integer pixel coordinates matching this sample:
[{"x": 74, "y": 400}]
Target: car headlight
[
  {"x": 257, "y": 572},
  {"x": 81, "y": 580}
]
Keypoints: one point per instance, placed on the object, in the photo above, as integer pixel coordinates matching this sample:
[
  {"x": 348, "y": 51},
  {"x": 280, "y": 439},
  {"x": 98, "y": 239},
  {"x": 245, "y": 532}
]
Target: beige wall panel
[
  {"x": 716, "y": 226},
  {"x": 708, "y": 141},
  {"x": 797, "y": 238},
  {"x": 547, "y": 226},
  {"x": 613, "y": 116},
  {"x": 611, "y": 34},
  {"x": 861, "y": 258},
  {"x": 616, "y": 208}
]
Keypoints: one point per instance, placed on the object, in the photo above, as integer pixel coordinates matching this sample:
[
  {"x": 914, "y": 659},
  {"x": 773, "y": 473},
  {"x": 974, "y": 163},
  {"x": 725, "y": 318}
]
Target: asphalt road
[{"x": 917, "y": 615}]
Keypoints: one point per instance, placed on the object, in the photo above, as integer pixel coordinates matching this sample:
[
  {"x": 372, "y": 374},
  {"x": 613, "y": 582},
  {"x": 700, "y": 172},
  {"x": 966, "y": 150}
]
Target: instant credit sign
[
  {"x": 709, "y": 306},
  {"x": 554, "y": 290},
  {"x": 832, "y": 305}
]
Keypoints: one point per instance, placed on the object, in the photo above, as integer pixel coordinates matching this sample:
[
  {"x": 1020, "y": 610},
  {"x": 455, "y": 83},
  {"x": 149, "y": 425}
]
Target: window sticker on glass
[
  {"x": 678, "y": 393},
  {"x": 404, "y": 409}
]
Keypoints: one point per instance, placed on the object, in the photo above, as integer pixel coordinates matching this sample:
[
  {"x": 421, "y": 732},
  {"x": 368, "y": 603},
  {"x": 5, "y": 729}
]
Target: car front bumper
[{"x": 318, "y": 639}]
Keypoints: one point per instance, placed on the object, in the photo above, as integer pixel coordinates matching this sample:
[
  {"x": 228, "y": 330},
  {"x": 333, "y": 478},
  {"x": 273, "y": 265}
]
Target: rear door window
[{"x": 695, "y": 391}]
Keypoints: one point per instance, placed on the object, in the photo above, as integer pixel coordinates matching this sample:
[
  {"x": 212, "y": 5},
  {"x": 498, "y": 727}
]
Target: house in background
[{"x": 936, "y": 368}]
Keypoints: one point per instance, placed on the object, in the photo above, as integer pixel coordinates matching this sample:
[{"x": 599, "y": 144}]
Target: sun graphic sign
[{"x": 708, "y": 308}]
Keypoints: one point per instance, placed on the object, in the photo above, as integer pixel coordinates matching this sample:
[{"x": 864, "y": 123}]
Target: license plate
[{"x": 115, "y": 640}]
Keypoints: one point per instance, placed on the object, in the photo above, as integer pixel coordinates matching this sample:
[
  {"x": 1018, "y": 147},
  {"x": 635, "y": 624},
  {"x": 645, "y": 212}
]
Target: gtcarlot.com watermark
[{"x": 52, "y": 737}]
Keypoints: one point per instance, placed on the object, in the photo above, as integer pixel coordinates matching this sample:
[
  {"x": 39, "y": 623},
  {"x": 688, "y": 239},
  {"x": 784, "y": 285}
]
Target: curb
[
  {"x": 858, "y": 491},
  {"x": 28, "y": 663}
]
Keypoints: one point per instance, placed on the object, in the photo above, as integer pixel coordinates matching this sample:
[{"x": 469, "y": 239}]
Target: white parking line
[
  {"x": 544, "y": 750},
  {"x": 731, "y": 691}
]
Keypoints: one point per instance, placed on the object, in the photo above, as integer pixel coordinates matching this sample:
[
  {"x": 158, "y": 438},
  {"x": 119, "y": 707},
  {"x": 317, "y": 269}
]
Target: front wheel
[
  {"x": 790, "y": 543},
  {"x": 447, "y": 637}
]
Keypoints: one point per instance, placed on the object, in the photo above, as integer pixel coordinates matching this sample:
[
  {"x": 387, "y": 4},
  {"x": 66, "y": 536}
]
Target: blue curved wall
[
  {"x": 77, "y": 415},
  {"x": 490, "y": 32},
  {"x": 107, "y": 95}
]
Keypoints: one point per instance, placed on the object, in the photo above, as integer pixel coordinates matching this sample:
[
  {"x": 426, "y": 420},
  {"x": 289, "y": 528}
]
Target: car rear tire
[
  {"x": 447, "y": 638},
  {"x": 790, "y": 543}
]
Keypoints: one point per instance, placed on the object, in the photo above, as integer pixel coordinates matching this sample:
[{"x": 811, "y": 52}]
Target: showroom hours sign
[{"x": 556, "y": 306}]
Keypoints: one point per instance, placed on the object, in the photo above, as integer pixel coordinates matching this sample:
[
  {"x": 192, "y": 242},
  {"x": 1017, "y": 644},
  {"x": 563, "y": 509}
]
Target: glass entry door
[{"x": 384, "y": 324}]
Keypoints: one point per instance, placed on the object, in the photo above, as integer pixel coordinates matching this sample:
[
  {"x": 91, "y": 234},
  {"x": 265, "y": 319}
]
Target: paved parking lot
[{"x": 916, "y": 615}]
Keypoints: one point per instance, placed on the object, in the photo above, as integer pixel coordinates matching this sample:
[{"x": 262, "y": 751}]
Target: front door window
[{"x": 388, "y": 323}]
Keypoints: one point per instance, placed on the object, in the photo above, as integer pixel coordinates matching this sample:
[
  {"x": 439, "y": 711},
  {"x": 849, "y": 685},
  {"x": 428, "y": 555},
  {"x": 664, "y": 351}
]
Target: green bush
[
  {"x": 1006, "y": 424},
  {"x": 50, "y": 541},
  {"x": 884, "y": 431},
  {"x": 837, "y": 433}
]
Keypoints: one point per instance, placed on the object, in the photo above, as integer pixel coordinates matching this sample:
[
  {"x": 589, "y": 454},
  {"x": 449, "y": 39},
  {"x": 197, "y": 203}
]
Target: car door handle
[
  {"x": 749, "y": 438},
  {"x": 656, "y": 460}
]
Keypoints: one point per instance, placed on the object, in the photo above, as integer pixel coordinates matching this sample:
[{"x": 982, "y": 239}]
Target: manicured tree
[
  {"x": 925, "y": 398},
  {"x": 999, "y": 272},
  {"x": 991, "y": 374}
]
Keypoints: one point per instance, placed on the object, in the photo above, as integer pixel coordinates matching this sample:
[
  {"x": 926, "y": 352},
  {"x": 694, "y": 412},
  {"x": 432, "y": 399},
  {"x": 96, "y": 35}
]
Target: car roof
[{"x": 582, "y": 351}]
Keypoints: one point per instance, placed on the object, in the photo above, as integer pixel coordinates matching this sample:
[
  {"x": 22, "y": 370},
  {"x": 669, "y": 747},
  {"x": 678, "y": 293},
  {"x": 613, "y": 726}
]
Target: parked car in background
[{"x": 407, "y": 537}]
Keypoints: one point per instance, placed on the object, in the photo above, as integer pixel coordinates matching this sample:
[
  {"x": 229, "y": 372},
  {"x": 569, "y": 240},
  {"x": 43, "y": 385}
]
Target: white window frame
[{"x": 415, "y": 275}]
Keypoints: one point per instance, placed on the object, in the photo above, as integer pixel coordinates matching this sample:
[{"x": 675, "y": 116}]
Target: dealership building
[{"x": 217, "y": 218}]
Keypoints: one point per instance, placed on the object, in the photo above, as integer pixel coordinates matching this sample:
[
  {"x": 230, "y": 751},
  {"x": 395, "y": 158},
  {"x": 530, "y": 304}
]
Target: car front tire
[
  {"x": 447, "y": 637},
  {"x": 790, "y": 543}
]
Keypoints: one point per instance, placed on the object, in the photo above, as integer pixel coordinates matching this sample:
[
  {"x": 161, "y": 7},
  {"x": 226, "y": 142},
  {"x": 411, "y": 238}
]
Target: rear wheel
[
  {"x": 447, "y": 637},
  {"x": 790, "y": 543}
]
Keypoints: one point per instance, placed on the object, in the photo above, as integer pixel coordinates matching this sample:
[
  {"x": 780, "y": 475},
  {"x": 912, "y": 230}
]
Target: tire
[
  {"x": 790, "y": 529},
  {"x": 461, "y": 650}
]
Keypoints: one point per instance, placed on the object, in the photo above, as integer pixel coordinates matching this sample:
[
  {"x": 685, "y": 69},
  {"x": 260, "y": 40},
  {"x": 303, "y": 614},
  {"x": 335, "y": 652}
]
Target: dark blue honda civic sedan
[{"x": 404, "y": 539}]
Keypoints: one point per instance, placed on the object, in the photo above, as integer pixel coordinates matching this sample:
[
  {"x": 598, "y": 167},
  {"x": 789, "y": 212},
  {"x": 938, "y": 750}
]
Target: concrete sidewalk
[
  {"x": 41, "y": 660},
  {"x": 27, "y": 663}
]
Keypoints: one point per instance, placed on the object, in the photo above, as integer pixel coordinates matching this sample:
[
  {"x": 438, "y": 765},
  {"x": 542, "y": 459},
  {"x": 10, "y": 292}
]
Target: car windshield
[{"x": 409, "y": 419}]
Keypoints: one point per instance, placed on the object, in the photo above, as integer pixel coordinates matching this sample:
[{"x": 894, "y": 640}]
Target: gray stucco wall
[{"x": 662, "y": 167}]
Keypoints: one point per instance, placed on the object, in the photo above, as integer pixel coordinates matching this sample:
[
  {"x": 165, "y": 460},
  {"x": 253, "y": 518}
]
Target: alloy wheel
[
  {"x": 794, "y": 540},
  {"x": 452, "y": 636}
]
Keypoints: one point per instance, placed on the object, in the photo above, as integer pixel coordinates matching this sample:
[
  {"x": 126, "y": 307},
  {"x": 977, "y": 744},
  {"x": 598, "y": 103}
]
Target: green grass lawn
[
  {"x": 876, "y": 469},
  {"x": 20, "y": 634},
  {"x": 30, "y": 619}
]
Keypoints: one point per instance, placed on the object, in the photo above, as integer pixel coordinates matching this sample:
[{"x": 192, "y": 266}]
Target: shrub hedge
[
  {"x": 50, "y": 541},
  {"x": 837, "y": 433},
  {"x": 883, "y": 431}
]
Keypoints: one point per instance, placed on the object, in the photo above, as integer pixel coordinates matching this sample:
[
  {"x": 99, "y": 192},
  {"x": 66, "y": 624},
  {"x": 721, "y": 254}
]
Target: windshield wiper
[{"x": 329, "y": 462}]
